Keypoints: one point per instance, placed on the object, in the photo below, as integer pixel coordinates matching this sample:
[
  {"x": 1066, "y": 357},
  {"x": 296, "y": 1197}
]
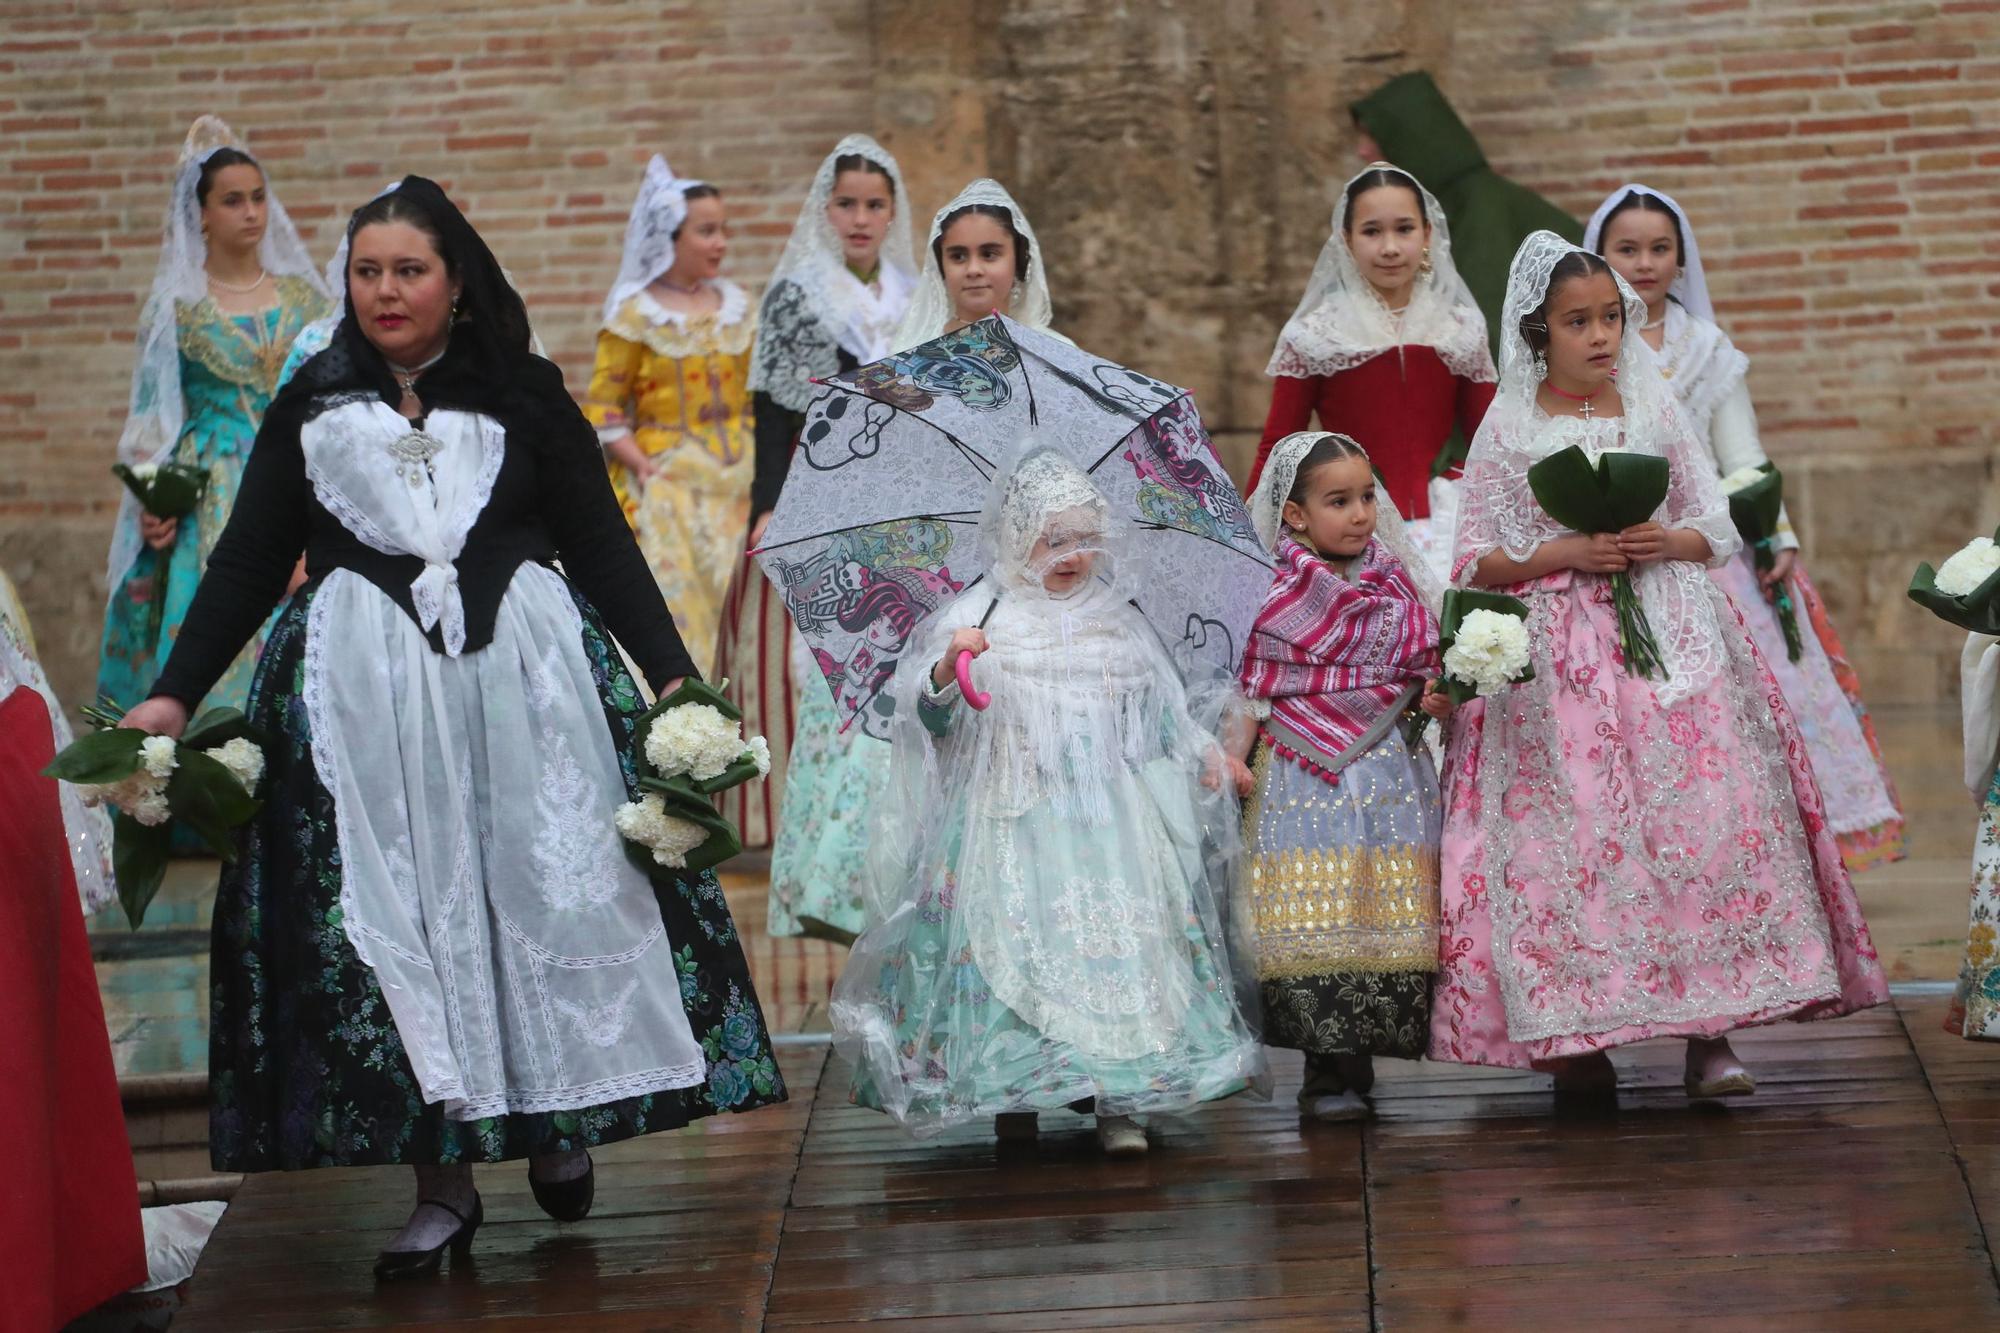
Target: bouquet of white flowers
[
  {"x": 1965, "y": 590},
  {"x": 690, "y": 746},
  {"x": 164, "y": 490},
  {"x": 1483, "y": 637},
  {"x": 1756, "y": 499},
  {"x": 206, "y": 780}
]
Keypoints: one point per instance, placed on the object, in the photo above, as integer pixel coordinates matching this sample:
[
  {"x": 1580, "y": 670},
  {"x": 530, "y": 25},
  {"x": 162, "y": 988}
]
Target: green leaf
[
  {"x": 1754, "y": 509},
  {"x": 738, "y": 773},
  {"x": 100, "y": 757},
  {"x": 1618, "y": 492},
  {"x": 138, "y": 863},
  {"x": 1977, "y": 611},
  {"x": 218, "y": 726},
  {"x": 209, "y": 799},
  {"x": 132, "y": 483},
  {"x": 173, "y": 494}
]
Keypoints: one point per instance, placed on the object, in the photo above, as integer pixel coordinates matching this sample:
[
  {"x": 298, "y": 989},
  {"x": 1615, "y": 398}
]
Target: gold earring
[{"x": 1425, "y": 267}]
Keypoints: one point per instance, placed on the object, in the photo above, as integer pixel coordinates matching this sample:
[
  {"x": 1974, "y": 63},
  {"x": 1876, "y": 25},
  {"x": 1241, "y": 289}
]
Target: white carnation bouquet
[
  {"x": 690, "y": 747},
  {"x": 1483, "y": 637},
  {"x": 207, "y": 780},
  {"x": 164, "y": 490},
  {"x": 1964, "y": 590}
]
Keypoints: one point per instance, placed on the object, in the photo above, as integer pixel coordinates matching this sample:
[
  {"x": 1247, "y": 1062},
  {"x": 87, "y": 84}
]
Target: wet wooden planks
[{"x": 1857, "y": 1190}]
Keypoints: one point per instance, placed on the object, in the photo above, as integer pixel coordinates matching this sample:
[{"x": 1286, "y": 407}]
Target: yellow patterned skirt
[
  {"x": 1341, "y": 882},
  {"x": 690, "y": 520}
]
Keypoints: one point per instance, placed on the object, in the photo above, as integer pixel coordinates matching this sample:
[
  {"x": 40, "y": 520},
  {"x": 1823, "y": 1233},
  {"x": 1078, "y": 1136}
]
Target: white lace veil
[
  {"x": 1498, "y": 510},
  {"x": 1690, "y": 285},
  {"x": 657, "y": 213},
  {"x": 157, "y": 412},
  {"x": 930, "y": 310},
  {"x": 1341, "y": 321},
  {"x": 1267, "y": 511},
  {"x": 799, "y": 345}
]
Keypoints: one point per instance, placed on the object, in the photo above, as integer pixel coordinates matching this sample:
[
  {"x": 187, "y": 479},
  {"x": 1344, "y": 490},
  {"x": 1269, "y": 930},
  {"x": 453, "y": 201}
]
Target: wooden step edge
[
  {"x": 154, "y": 1089},
  {"x": 188, "y": 1189}
]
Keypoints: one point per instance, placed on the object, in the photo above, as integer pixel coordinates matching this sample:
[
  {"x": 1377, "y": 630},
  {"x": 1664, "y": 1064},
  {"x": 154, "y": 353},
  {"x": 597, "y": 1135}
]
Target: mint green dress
[{"x": 229, "y": 371}]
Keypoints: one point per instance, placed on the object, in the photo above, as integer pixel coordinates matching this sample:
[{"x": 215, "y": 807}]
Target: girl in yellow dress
[{"x": 668, "y": 398}]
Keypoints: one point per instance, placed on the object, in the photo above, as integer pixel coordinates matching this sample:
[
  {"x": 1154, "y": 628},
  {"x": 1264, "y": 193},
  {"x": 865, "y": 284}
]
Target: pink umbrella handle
[{"x": 978, "y": 698}]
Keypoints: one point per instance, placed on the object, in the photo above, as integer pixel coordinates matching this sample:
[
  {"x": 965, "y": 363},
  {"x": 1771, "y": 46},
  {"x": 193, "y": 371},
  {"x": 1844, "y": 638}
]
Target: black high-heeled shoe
[
  {"x": 391, "y": 1265},
  {"x": 566, "y": 1200}
]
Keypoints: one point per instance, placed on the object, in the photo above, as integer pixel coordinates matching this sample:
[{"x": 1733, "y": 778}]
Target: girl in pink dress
[{"x": 1624, "y": 857}]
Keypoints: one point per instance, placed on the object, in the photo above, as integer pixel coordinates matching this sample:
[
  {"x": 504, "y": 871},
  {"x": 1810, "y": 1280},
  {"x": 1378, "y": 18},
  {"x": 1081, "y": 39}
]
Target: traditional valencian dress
[
  {"x": 432, "y": 946},
  {"x": 1340, "y": 834},
  {"x": 1626, "y": 857},
  {"x": 1398, "y": 382},
  {"x": 1975, "y": 1007},
  {"x": 1707, "y": 375},
  {"x": 818, "y": 320},
  {"x": 679, "y": 384},
  {"x": 203, "y": 381},
  {"x": 1048, "y": 927}
]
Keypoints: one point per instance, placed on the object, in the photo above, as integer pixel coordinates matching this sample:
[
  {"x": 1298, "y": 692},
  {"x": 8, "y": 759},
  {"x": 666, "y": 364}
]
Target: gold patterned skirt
[
  {"x": 1341, "y": 880},
  {"x": 690, "y": 520}
]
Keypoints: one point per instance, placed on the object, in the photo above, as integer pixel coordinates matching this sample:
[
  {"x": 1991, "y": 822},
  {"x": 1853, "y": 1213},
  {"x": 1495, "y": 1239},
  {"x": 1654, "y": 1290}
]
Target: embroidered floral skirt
[
  {"x": 1615, "y": 868},
  {"x": 1341, "y": 880},
  {"x": 1825, "y": 697},
  {"x": 1975, "y": 1008},
  {"x": 306, "y": 1068},
  {"x": 835, "y": 783}
]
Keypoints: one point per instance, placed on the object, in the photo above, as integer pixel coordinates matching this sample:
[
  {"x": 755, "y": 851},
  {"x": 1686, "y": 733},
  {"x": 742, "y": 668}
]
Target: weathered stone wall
[{"x": 1179, "y": 157}]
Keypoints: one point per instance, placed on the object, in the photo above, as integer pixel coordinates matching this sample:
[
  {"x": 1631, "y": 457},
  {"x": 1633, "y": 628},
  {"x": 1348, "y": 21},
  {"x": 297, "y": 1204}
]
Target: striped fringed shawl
[{"x": 1337, "y": 658}]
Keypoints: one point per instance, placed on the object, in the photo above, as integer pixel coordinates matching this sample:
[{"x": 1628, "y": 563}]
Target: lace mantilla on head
[
  {"x": 931, "y": 308},
  {"x": 657, "y": 213},
  {"x": 158, "y": 410},
  {"x": 814, "y": 306},
  {"x": 1498, "y": 511},
  {"x": 1342, "y": 321},
  {"x": 1690, "y": 286},
  {"x": 1281, "y": 471},
  {"x": 1700, "y": 365}
]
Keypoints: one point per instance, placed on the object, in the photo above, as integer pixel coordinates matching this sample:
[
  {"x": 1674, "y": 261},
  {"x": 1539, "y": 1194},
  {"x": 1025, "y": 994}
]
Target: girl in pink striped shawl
[{"x": 1341, "y": 830}]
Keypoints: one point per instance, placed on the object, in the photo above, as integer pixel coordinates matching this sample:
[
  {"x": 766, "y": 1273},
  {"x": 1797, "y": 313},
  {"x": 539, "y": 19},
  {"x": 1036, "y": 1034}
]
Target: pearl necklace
[{"x": 217, "y": 283}]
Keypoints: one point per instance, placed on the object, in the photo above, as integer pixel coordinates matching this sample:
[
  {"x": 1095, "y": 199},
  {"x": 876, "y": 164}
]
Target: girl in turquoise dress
[
  {"x": 1046, "y": 872},
  {"x": 233, "y": 289}
]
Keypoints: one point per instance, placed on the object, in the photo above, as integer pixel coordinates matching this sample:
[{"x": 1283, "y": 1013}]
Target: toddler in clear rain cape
[{"x": 1047, "y": 873}]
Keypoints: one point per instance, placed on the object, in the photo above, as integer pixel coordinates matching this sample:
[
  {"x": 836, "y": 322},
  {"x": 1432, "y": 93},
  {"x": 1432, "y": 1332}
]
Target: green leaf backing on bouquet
[
  {"x": 138, "y": 863},
  {"x": 219, "y": 726},
  {"x": 1617, "y": 492},
  {"x": 683, "y": 801},
  {"x": 1457, "y": 603},
  {"x": 172, "y": 493},
  {"x": 1754, "y": 509},
  {"x": 207, "y": 797},
  {"x": 742, "y": 771},
  {"x": 1978, "y": 611},
  {"x": 101, "y": 757}
]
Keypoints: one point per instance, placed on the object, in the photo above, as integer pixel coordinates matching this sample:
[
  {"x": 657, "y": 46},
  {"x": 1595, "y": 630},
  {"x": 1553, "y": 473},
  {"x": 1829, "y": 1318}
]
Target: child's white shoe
[
  {"x": 1120, "y": 1136},
  {"x": 1336, "y": 1107}
]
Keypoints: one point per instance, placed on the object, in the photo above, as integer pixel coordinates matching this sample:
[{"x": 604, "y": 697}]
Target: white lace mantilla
[{"x": 522, "y": 955}]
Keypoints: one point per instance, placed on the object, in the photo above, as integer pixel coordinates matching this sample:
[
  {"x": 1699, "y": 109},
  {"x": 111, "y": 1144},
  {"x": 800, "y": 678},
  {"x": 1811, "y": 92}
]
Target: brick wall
[
  {"x": 538, "y": 115},
  {"x": 1842, "y": 162}
]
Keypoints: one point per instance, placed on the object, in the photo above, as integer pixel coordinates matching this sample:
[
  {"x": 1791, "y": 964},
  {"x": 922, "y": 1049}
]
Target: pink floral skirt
[{"x": 1616, "y": 868}]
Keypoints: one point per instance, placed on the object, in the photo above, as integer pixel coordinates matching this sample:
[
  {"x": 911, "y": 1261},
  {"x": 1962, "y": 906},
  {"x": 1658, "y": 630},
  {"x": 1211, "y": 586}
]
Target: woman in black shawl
[{"x": 431, "y": 948}]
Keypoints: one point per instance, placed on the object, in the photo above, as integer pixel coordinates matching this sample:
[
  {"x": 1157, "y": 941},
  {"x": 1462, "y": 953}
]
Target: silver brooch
[{"x": 413, "y": 454}]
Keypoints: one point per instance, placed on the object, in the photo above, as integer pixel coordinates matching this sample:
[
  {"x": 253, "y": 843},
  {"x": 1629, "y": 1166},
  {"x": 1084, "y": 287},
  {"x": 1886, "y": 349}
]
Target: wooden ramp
[{"x": 1847, "y": 1194}]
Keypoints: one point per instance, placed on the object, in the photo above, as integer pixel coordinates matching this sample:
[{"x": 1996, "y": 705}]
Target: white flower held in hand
[
  {"x": 1742, "y": 477},
  {"x": 646, "y": 822},
  {"x": 759, "y": 751},
  {"x": 695, "y": 739},
  {"x": 146, "y": 471},
  {"x": 157, "y": 754},
  {"x": 1490, "y": 650},
  {"x": 1969, "y": 568},
  {"x": 244, "y": 761}
]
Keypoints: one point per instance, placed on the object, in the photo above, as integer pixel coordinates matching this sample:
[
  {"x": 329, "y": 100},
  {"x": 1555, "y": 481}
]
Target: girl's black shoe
[{"x": 566, "y": 1200}]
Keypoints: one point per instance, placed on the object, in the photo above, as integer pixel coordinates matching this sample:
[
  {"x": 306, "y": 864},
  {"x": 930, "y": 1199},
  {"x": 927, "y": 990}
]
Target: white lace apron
[{"x": 522, "y": 955}]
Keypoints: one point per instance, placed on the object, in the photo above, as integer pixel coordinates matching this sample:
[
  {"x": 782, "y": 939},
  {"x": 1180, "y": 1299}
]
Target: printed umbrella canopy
[{"x": 877, "y": 525}]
